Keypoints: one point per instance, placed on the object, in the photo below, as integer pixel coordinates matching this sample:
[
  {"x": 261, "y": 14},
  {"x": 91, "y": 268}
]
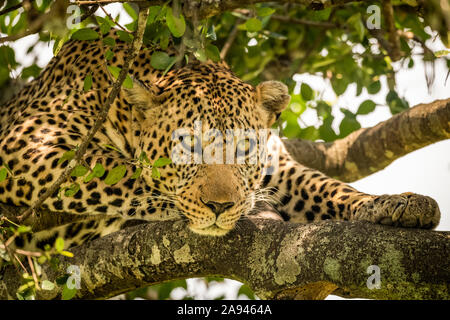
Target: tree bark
[
  {"x": 369, "y": 150},
  {"x": 277, "y": 260}
]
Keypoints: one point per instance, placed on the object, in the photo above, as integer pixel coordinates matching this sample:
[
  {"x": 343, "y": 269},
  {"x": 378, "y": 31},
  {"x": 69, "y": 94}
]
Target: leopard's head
[{"x": 212, "y": 125}]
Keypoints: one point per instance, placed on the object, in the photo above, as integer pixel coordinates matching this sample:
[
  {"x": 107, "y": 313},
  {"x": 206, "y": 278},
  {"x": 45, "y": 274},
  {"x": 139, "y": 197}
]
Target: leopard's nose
[{"x": 218, "y": 207}]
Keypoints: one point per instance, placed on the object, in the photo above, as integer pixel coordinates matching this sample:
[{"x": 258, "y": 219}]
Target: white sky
[{"x": 425, "y": 171}]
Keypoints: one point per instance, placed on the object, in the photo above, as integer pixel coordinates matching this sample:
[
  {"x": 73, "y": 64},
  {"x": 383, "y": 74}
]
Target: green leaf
[
  {"x": 211, "y": 33},
  {"x": 109, "y": 54},
  {"x": 355, "y": 21},
  {"x": 60, "y": 281},
  {"x": 396, "y": 104},
  {"x": 161, "y": 60},
  {"x": 326, "y": 132},
  {"x": 124, "y": 36},
  {"x": 79, "y": 171},
  {"x": 109, "y": 41},
  {"x": 153, "y": 13},
  {"x": 85, "y": 34},
  {"x": 23, "y": 229},
  {"x": 42, "y": 259},
  {"x": 137, "y": 173},
  {"x": 7, "y": 56},
  {"x": 105, "y": 27},
  {"x": 264, "y": 11},
  {"x": 89, "y": 177},
  {"x": 67, "y": 253},
  {"x": 366, "y": 107},
  {"x": 87, "y": 82},
  {"x": 374, "y": 87},
  {"x": 161, "y": 162},
  {"x": 98, "y": 170},
  {"x": 115, "y": 71},
  {"x": 59, "y": 244},
  {"x": 67, "y": 293},
  {"x": 200, "y": 54},
  {"x": 245, "y": 290},
  {"x": 31, "y": 71},
  {"x": 348, "y": 124},
  {"x": 3, "y": 174},
  {"x": 339, "y": 86},
  {"x": 155, "y": 173},
  {"x": 72, "y": 190},
  {"x": 108, "y": 146},
  {"x": 8, "y": 168},
  {"x": 115, "y": 175},
  {"x": 47, "y": 285},
  {"x": 441, "y": 53},
  {"x": 67, "y": 156},
  {"x": 306, "y": 92},
  {"x": 309, "y": 133},
  {"x": 212, "y": 52},
  {"x": 164, "y": 289},
  {"x": 58, "y": 45},
  {"x": 253, "y": 25},
  {"x": 177, "y": 25},
  {"x": 143, "y": 158},
  {"x": 131, "y": 12}
]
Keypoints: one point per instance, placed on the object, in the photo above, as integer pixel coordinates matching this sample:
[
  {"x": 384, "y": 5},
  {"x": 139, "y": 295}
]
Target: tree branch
[
  {"x": 210, "y": 8},
  {"x": 369, "y": 150},
  {"x": 277, "y": 260}
]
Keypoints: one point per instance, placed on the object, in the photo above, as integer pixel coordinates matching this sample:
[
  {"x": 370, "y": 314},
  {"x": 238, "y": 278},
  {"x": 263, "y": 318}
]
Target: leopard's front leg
[{"x": 307, "y": 195}]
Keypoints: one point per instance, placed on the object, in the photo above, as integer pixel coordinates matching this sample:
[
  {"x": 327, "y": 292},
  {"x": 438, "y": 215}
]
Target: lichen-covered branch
[
  {"x": 278, "y": 260},
  {"x": 369, "y": 150}
]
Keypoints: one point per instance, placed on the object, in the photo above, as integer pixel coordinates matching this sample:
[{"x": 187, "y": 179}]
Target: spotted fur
[{"x": 53, "y": 113}]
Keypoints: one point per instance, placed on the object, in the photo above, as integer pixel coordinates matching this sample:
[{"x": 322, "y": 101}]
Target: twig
[
  {"x": 24, "y": 252},
  {"x": 21, "y": 264},
  {"x": 33, "y": 272},
  {"x": 321, "y": 24},
  {"x": 109, "y": 16},
  {"x": 393, "y": 37},
  {"x": 90, "y": 12},
  {"x": 36, "y": 26},
  {"x": 8, "y": 10},
  {"x": 134, "y": 48},
  {"x": 10, "y": 254},
  {"x": 113, "y": 1},
  {"x": 15, "y": 7},
  {"x": 230, "y": 39}
]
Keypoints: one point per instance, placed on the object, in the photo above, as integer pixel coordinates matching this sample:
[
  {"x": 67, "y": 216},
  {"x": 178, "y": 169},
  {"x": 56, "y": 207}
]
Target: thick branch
[
  {"x": 276, "y": 259},
  {"x": 368, "y": 150}
]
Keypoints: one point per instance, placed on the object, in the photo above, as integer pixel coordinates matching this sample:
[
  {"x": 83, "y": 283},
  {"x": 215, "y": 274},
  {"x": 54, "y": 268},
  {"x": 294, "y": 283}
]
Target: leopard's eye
[{"x": 245, "y": 146}]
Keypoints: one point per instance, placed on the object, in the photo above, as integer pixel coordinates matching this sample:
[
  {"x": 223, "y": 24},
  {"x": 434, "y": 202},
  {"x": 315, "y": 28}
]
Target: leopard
[{"x": 54, "y": 112}]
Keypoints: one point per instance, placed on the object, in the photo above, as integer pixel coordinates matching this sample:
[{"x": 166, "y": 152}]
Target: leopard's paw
[{"x": 409, "y": 210}]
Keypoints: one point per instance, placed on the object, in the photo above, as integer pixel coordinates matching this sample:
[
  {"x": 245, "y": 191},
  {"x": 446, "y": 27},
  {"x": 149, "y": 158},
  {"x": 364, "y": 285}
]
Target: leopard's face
[{"x": 213, "y": 127}]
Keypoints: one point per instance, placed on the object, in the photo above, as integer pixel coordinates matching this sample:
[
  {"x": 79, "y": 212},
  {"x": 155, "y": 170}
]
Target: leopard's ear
[
  {"x": 141, "y": 96},
  {"x": 144, "y": 99},
  {"x": 273, "y": 96}
]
